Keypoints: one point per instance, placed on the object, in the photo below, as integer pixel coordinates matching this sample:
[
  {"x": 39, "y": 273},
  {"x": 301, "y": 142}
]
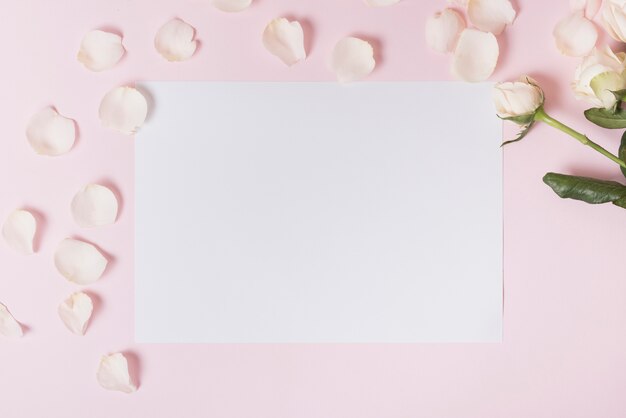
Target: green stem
[{"x": 542, "y": 116}]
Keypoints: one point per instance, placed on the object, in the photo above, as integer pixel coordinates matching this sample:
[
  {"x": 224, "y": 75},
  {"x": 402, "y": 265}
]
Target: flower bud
[{"x": 519, "y": 100}]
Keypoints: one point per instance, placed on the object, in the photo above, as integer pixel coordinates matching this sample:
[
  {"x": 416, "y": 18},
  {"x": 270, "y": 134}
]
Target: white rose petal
[
  {"x": 600, "y": 62},
  {"x": 174, "y": 40},
  {"x": 285, "y": 40},
  {"x": 352, "y": 59},
  {"x": 100, "y": 50},
  {"x": 490, "y": 15},
  {"x": 113, "y": 373},
  {"x": 231, "y": 5},
  {"x": 381, "y": 3},
  {"x": 123, "y": 109},
  {"x": 589, "y": 7},
  {"x": 79, "y": 261},
  {"x": 459, "y": 3},
  {"x": 19, "y": 231},
  {"x": 575, "y": 35},
  {"x": 9, "y": 327},
  {"x": 75, "y": 312},
  {"x": 443, "y": 30},
  {"x": 614, "y": 18},
  {"x": 475, "y": 56},
  {"x": 94, "y": 205},
  {"x": 49, "y": 133}
]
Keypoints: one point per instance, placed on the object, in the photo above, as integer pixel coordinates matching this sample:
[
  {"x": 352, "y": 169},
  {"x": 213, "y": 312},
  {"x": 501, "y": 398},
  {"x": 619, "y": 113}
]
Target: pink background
[{"x": 564, "y": 345}]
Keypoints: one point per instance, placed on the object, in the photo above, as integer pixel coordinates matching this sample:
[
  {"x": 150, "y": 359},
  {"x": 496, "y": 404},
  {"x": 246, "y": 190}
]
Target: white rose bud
[
  {"x": 598, "y": 75},
  {"x": 518, "y": 100},
  {"x": 614, "y": 18}
]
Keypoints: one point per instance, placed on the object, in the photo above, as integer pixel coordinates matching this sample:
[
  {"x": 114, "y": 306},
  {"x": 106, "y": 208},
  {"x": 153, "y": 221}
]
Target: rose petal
[
  {"x": 75, "y": 312},
  {"x": 443, "y": 30},
  {"x": 231, "y": 5},
  {"x": 381, "y": 3},
  {"x": 174, "y": 41},
  {"x": 589, "y": 7},
  {"x": 123, "y": 109},
  {"x": 19, "y": 231},
  {"x": 459, "y": 3},
  {"x": 113, "y": 373},
  {"x": 9, "y": 327},
  {"x": 352, "y": 59},
  {"x": 575, "y": 35},
  {"x": 49, "y": 133},
  {"x": 285, "y": 40},
  {"x": 490, "y": 15},
  {"x": 94, "y": 205},
  {"x": 100, "y": 50},
  {"x": 475, "y": 56},
  {"x": 79, "y": 261}
]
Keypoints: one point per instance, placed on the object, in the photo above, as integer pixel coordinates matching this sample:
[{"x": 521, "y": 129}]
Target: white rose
[
  {"x": 598, "y": 74},
  {"x": 518, "y": 99},
  {"x": 614, "y": 18}
]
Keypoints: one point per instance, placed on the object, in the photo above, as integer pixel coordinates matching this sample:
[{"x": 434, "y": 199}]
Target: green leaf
[
  {"x": 586, "y": 189},
  {"x": 622, "y": 152},
  {"x": 606, "y": 118},
  {"x": 520, "y": 135}
]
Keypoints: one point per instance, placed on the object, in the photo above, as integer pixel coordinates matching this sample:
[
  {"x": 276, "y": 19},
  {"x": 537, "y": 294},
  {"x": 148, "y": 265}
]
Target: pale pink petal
[
  {"x": 113, "y": 373},
  {"x": 491, "y": 15},
  {"x": 19, "y": 231},
  {"x": 352, "y": 59},
  {"x": 174, "y": 40},
  {"x": 443, "y": 30},
  {"x": 459, "y": 3},
  {"x": 75, "y": 312},
  {"x": 94, "y": 205},
  {"x": 100, "y": 50},
  {"x": 381, "y": 3},
  {"x": 79, "y": 261},
  {"x": 475, "y": 56},
  {"x": 231, "y": 5},
  {"x": 49, "y": 133},
  {"x": 9, "y": 327},
  {"x": 589, "y": 7},
  {"x": 123, "y": 109},
  {"x": 575, "y": 35},
  {"x": 285, "y": 40}
]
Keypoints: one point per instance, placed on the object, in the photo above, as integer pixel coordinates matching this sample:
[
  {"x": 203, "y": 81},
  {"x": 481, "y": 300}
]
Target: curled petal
[
  {"x": 443, "y": 30},
  {"x": 75, "y": 312},
  {"x": 123, "y": 109},
  {"x": 174, "y": 41},
  {"x": 475, "y": 56},
  {"x": 49, "y": 133},
  {"x": 589, "y": 7},
  {"x": 614, "y": 19},
  {"x": 381, "y": 3},
  {"x": 352, "y": 59},
  {"x": 94, "y": 205},
  {"x": 231, "y": 5},
  {"x": 19, "y": 231},
  {"x": 285, "y": 40},
  {"x": 491, "y": 15},
  {"x": 79, "y": 261},
  {"x": 9, "y": 327},
  {"x": 575, "y": 35},
  {"x": 113, "y": 373},
  {"x": 100, "y": 50}
]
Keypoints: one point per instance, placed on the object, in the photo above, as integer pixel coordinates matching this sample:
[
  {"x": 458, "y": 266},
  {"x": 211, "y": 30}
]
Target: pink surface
[{"x": 565, "y": 286}]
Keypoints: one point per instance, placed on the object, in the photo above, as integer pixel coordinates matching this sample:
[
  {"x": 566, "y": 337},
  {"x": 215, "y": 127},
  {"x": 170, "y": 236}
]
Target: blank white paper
[{"x": 317, "y": 212}]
